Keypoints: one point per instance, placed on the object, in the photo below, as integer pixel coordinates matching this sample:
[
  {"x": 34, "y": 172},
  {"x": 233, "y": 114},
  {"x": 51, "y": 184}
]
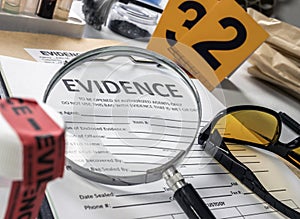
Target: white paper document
[{"x": 76, "y": 197}]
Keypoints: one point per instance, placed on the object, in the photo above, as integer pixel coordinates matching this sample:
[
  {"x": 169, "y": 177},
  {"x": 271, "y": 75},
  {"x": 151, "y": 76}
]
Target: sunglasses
[{"x": 254, "y": 126}]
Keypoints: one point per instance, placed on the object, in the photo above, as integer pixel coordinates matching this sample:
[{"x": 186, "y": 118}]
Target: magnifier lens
[{"x": 130, "y": 114}]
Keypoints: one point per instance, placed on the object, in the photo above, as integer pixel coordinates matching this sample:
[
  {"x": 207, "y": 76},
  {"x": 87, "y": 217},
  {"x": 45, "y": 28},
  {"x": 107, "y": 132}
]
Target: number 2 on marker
[
  {"x": 203, "y": 48},
  {"x": 223, "y": 39}
]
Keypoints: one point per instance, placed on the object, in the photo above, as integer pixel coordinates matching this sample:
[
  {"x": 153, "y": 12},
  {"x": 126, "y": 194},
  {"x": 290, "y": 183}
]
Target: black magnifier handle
[
  {"x": 191, "y": 203},
  {"x": 186, "y": 196}
]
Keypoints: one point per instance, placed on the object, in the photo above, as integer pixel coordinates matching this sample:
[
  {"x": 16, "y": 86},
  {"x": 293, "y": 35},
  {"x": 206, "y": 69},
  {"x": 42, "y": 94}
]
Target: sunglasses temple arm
[
  {"x": 291, "y": 123},
  {"x": 246, "y": 176},
  {"x": 254, "y": 185}
]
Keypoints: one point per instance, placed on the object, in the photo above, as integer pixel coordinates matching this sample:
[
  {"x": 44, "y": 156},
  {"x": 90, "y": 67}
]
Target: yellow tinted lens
[{"x": 250, "y": 126}]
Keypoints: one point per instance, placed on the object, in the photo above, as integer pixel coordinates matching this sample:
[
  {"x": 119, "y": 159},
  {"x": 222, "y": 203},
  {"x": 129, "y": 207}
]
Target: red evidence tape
[{"x": 43, "y": 155}]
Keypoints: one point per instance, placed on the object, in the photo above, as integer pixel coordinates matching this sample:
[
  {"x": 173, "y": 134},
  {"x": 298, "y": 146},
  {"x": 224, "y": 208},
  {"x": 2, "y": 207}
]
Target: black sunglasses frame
[
  {"x": 216, "y": 147},
  {"x": 275, "y": 146}
]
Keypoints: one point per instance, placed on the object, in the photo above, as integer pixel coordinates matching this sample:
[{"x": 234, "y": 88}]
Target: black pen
[{"x": 186, "y": 196}]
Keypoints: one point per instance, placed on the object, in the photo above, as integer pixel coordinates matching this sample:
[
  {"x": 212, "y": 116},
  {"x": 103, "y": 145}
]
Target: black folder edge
[
  {"x": 3, "y": 89},
  {"x": 45, "y": 210}
]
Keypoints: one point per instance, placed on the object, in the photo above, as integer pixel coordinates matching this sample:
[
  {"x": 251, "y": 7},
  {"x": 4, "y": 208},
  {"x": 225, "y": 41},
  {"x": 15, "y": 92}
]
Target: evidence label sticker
[{"x": 43, "y": 149}]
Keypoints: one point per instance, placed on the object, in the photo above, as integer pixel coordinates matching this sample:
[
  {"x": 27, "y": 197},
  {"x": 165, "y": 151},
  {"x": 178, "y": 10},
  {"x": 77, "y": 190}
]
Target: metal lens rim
[{"x": 151, "y": 175}]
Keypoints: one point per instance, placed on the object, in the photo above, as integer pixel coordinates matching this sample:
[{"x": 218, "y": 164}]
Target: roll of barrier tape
[{"x": 32, "y": 149}]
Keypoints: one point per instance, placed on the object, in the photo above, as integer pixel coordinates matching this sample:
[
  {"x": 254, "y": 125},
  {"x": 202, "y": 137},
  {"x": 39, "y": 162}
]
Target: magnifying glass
[{"x": 131, "y": 117}]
